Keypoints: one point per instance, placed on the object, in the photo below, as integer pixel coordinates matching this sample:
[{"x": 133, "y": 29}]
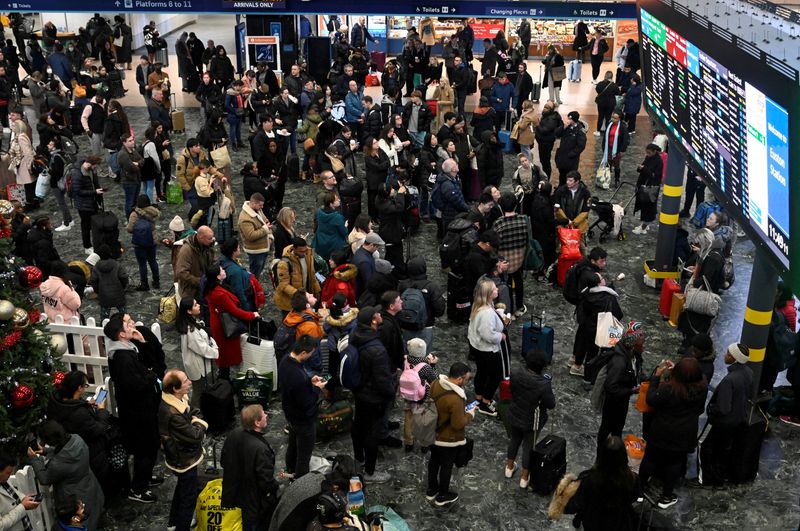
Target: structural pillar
[
  {"x": 663, "y": 265},
  {"x": 758, "y": 312}
]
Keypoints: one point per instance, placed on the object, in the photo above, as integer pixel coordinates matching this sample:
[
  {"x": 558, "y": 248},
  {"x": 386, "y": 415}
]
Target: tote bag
[
  {"x": 609, "y": 330},
  {"x": 702, "y": 301}
]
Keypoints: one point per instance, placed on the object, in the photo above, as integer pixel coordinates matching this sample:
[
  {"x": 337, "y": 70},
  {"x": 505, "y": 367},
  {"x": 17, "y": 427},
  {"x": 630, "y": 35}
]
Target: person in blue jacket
[
  {"x": 60, "y": 63},
  {"x": 451, "y": 196},
  {"x": 331, "y": 231},
  {"x": 354, "y": 108},
  {"x": 501, "y": 96},
  {"x": 235, "y": 110},
  {"x": 633, "y": 102},
  {"x": 237, "y": 279}
]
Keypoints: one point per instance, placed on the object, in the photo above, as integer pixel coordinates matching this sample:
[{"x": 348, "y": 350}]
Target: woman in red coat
[{"x": 221, "y": 300}]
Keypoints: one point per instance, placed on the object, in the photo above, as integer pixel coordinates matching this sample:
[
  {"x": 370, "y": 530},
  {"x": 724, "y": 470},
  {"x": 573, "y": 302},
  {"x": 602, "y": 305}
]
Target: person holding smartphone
[{"x": 14, "y": 505}]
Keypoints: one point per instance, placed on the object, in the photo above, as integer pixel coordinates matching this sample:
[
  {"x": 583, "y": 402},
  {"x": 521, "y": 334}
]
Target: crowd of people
[{"x": 351, "y": 284}]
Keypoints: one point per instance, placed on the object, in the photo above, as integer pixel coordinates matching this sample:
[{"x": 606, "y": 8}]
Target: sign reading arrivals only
[{"x": 492, "y": 9}]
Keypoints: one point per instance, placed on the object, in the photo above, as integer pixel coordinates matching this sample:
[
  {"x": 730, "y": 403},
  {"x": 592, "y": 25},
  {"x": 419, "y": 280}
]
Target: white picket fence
[
  {"x": 89, "y": 346},
  {"x": 42, "y": 517}
]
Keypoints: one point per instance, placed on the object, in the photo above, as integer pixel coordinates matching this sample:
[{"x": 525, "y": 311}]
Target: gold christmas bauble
[
  {"x": 6, "y": 310},
  {"x": 20, "y": 319},
  {"x": 6, "y": 209},
  {"x": 59, "y": 344}
]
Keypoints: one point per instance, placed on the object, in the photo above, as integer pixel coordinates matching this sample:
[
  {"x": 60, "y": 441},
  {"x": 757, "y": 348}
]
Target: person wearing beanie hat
[
  {"x": 701, "y": 348},
  {"x": 176, "y": 225},
  {"x": 531, "y": 390},
  {"x": 728, "y": 412},
  {"x": 573, "y": 142},
  {"x": 612, "y": 394},
  {"x": 419, "y": 424}
]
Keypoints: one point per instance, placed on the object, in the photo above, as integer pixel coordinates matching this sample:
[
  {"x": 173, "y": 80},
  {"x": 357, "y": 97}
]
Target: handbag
[
  {"x": 42, "y": 185},
  {"x": 231, "y": 326},
  {"x": 570, "y": 243},
  {"x": 168, "y": 307},
  {"x": 424, "y": 426},
  {"x": 308, "y": 144},
  {"x": 648, "y": 194},
  {"x": 602, "y": 178},
  {"x": 515, "y": 131},
  {"x": 118, "y": 41},
  {"x": 702, "y": 301},
  {"x": 609, "y": 330},
  {"x": 559, "y": 73},
  {"x": 534, "y": 256},
  {"x": 221, "y": 157}
]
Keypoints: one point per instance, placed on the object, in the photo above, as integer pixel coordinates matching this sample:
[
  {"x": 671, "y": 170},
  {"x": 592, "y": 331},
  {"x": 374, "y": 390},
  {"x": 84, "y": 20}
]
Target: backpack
[
  {"x": 412, "y": 388},
  {"x": 414, "y": 314},
  {"x": 453, "y": 250},
  {"x": 285, "y": 337},
  {"x": 704, "y": 209},
  {"x": 570, "y": 290},
  {"x": 598, "y": 395},
  {"x": 349, "y": 363},
  {"x": 436, "y": 194},
  {"x": 593, "y": 367},
  {"x": 143, "y": 232},
  {"x": 68, "y": 181},
  {"x": 784, "y": 341},
  {"x": 274, "y": 274}
]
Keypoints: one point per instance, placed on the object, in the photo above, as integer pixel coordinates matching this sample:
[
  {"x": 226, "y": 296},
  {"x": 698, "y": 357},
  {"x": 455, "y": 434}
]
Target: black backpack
[
  {"x": 217, "y": 405},
  {"x": 571, "y": 293},
  {"x": 454, "y": 248}
]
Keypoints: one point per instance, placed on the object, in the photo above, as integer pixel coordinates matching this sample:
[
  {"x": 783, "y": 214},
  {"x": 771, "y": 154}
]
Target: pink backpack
[{"x": 412, "y": 387}]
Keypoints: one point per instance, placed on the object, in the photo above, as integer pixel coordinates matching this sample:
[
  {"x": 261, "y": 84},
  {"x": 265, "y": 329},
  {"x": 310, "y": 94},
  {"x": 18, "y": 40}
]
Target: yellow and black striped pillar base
[
  {"x": 670, "y": 206},
  {"x": 758, "y": 313}
]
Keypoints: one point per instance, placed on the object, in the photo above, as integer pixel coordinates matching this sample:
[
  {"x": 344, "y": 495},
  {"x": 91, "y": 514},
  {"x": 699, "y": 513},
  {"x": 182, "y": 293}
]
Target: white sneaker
[
  {"x": 62, "y": 227},
  {"x": 88, "y": 250},
  {"x": 637, "y": 230},
  {"x": 521, "y": 311},
  {"x": 509, "y": 472},
  {"x": 377, "y": 477}
]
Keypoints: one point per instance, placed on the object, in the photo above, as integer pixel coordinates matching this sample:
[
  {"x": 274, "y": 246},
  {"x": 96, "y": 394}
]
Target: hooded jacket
[
  {"x": 548, "y": 125},
  {"x": 151, "y": 213},
  {"x": 331, "y": 233},
  {"x": 255, "y": 238},
  {"x": 450, "y": 401},
  {"x": 729, "y": 404},
  {"x": 40, "y": 245},
  {"x": 377, "y": 387},
  {"x": 136, "y": 387},
  {"x": 574, "y": 207},
  {"x": 290, "y": 277},
  {"x": 198, "y": 348},
  {"x": 573, "y": 142},
  {"x": 181, "y": 432},
  {"x": 337, "y": 327},
  {"x": 501, "y": 95},
  {"x": 67, "y": 470},
  {"x": 109, "y": 281},
  {"x": 193, "y": 260},
  {"x": 59, "y": 298},
  {"x": 417, "y": 271},
  {"x": 490, "y": 159},
  {"x": 185, "y": 168},
  {"x": 341, "y": 280},
  {"x": 530, "y": 391}
]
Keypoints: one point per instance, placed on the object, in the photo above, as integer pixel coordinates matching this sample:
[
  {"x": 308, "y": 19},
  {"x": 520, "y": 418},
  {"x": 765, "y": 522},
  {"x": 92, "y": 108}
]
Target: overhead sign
[{"x": 388, "y": 7}]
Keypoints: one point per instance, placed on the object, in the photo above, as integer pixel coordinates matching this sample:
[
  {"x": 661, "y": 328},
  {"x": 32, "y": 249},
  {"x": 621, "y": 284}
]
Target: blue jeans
[
  {"x": 191, "y": 196},
  {"x": 257, "y": 263},
  {"x": 184, "y": 500},
  {"x": 131, "y": 193},
  {"x": 113, "y": 165},
  {"x": 293, "y": 142},
  {"x": 235, "y": 128},
  {"x": 148, "y": 189},
  {"x": 526, "y": 150},
  {"x": 144, "y": 256},
  {"x": 417, "y": 139}
]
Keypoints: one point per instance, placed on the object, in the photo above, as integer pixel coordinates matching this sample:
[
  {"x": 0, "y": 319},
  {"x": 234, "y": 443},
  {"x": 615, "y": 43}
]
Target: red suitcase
[
  {"x": 378, "y": 59},
  {"x": 563, "y": 267},
  {"x": 669, "y": 287}
]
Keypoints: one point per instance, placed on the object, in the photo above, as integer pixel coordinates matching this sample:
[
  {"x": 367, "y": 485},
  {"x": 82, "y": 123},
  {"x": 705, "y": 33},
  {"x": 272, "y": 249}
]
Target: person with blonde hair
[
  {"x": 283, "y": 230},
  {"x": 485, "y": 334}
]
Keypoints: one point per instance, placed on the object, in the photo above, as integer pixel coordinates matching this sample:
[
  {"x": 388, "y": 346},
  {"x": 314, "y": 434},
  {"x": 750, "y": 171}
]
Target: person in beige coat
[
  {"x": 293, "y": 275},
  {"x": 427, "y": 32},
  {"x": 21, "y": 152},
  {"x": 526, "y": 127},
  {"x": 256, "y": 233},
  {"x": 447, "y": 98}
]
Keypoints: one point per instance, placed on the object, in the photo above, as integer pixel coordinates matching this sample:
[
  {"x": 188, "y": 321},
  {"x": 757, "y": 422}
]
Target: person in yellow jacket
[
  {"x": 185, "y": 166},
  {"x": 295, "y": 271},
  {"x": 255, "y": 231}
]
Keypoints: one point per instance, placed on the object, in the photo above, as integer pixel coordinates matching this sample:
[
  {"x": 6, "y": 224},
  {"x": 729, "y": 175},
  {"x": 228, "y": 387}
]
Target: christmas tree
[{"x": 28, "y": 360}]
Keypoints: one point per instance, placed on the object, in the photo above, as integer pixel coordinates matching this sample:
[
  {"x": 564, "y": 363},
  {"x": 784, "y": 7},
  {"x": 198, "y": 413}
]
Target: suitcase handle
[{"x": 538, "y": 318}]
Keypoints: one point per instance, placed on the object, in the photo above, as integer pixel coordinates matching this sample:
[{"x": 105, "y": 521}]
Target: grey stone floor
[{"x": 488, "y": 500}]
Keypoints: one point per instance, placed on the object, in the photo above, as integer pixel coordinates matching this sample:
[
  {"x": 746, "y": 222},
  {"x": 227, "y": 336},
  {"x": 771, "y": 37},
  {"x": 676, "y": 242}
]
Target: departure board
[{"x": 735, "y": 134}]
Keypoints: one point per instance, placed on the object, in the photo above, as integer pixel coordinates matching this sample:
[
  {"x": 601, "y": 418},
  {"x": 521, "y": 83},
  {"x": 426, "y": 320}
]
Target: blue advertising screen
[{"x": 718, "y": 113}]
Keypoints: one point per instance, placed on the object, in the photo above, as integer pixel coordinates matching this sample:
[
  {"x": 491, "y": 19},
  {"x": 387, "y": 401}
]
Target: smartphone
[
  {"x": 101, "y": 395},
  {"x": 320, "y": 277},
  {"x": 38, "y": 498},
  {"x": 471, "y": 405},
  {"x": 326, "y": 377}
]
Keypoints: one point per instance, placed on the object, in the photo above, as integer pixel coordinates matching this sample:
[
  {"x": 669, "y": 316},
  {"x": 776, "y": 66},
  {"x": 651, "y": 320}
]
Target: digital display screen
[{"x": 736, "y": 135}]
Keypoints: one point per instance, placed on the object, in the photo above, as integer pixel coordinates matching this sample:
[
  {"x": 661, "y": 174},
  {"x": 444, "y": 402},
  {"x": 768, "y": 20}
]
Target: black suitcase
[
  {"x": 193, "y": 81},
  {"x": 473, "y": 87},
  {"x": 548, "y": 464},
  {"x": 105, "y": 230},
  {"x": 536, "y": 92},
  {"x": 746, "y": 451},
  {"x": 217, "y": 405},
  {"x": 75, "y": 119},
  {"x": 293, "y": 168},
  {"x": 115, "y": 86},
  {"x": 459, "y": 299}
]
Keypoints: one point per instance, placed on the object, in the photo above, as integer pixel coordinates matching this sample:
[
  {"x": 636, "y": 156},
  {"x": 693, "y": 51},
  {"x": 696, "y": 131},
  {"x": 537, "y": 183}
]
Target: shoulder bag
[
  {"x": 702, "y": 301},
  {"x": 648, "y": 194},
  {"x": 231, "y": 326},
  {"x": 534, "y": 256},
  {"x": 559, "y": 73}
]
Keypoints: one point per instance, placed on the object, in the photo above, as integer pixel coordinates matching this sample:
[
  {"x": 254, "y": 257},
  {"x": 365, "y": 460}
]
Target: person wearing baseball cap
[
  {"x": 573, "y": 142},
  {"x": 364, "y": 260},
  {"x": 727, "y": 414}
]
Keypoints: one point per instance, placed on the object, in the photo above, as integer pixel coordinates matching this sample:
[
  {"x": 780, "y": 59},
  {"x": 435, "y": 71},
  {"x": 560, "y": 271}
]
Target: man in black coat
[
  {"x": 524, "y": 34},
  {"x": 445, "y": 132},
  {"x": 462, "y": 80},
  {"x": 482, "y": 259},
  {"x": 523, "y": 86},
  {"x": 248, "y": 476},
  {"x": 490, "y": 58},
  {"x": 573, "y": 142},
  {"x": 143, "y": 71},
  {"x": 417, "y": 118},
  {"x": 632, "y": 60},
  {"x": 620, "y": 382},
  {"x": 373, "y": 123},
  {"x": 138, "y": 397},
  {"x": 546, "y": 134},
  {"x": 377, "y": 391}
]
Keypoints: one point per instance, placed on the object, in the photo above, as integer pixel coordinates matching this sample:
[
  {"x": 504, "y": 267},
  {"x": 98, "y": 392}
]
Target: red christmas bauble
[
  {"x": 30, "y": 277},
  {"x": 58, "y": 377},
  {"x": 34, "y": 315},
  {"x": 21, "y": 396}
]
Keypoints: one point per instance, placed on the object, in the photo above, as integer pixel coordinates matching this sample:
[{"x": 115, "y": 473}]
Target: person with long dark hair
[
  {"x": 198, "y": 348},
  {"x": 220, "y": 301},
  {"x": 606, "y": 492},
  {"x": 677, "y": 394},
  {"x": 377, "y": 164}
]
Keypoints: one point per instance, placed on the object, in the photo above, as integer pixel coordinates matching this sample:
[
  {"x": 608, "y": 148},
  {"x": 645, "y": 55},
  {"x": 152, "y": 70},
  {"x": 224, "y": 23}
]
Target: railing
[{"x": 25, "y": 482}]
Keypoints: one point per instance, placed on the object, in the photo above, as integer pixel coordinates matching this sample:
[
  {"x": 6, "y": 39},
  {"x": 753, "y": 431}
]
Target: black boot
[
  {"x": 156, "y": 283},
  {"x": 143, "y": 287}
]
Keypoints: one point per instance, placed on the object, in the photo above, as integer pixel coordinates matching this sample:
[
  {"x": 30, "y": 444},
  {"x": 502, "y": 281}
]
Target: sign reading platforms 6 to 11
[{"x": 730, "y": 119}]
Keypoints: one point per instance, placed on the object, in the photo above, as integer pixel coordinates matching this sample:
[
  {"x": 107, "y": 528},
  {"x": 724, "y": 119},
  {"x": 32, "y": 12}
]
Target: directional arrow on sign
[
  {"x": 116, "y": 3},
  {"x": 453, "y": 10},
  {"x": 610, "y": 13}
]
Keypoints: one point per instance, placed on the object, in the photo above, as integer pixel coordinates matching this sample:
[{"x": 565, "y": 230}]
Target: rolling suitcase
[
  {"x": 217, "y": 404},
  {"x": 115, "y": 88},
  {"x": 378, "y": 60},
  {"x": 505, "y": 138},
  {"x": 575, "y": 70},
  {"x": 293, "y": 168},
  {"x": 537, "y": 336},
  {"x": 548, "y": 464},
  {"x": 193, "y": 81},
  {"x": 459, "y": 299},
  {"x": 536, "y": 91},
  {"x": 178, "y": 122},
  {"x": 676, "y": 308},
  {"x": 162, "y": 56},
  {"x": 669, "y": 287},
  {"x": 473, "y": 86}
]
